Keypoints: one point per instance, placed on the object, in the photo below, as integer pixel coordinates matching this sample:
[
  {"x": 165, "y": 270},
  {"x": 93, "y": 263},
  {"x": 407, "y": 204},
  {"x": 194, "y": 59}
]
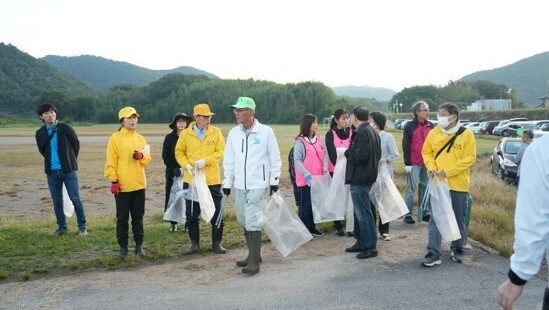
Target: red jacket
[{"x": 413, "y": 138}]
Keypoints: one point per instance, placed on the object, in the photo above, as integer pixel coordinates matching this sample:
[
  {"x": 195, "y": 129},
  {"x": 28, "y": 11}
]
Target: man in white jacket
[
  {"x": 252, "y": 161},
  {"x": 531, "y": 224}
]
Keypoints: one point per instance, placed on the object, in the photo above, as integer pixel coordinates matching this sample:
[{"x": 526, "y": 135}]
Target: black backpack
[{"x": 291, "y": 169}]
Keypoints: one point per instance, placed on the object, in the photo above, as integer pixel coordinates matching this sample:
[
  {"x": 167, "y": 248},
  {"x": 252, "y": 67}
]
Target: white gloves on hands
[
  {"x": 408, "y": 169},
  {"x": 200, "y": 164}
]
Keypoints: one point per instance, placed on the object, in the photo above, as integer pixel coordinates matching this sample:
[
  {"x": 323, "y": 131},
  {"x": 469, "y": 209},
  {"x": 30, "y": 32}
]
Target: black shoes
[
  {"x": 409, "y": 220},
  {"x": 340, "y": 232},
  {"x": 354, "y": 249},
  {"x": 315, "y": 232},
  {"x": 367, "y": 254},
  {"x": 139, "y": 251},
  {"x": 426, "y": 217},
  {"x": 60, "y": 232},
  {"x": 123, "y": 253}
]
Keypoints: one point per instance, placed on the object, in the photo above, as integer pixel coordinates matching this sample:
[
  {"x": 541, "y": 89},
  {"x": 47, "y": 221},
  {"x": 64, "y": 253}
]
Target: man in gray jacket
[{"x": 252, "y": 161}]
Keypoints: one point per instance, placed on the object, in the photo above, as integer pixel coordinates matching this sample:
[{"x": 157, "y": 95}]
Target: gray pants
[
  {"x": 459, "y": 205},
  {"x": 418, "y": 174}
]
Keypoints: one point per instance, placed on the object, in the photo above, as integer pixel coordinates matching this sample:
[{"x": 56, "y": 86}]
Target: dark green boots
[{"x": 253, "y": 239}]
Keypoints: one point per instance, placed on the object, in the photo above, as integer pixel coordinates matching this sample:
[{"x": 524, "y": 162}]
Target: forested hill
[
  {"x": 379, "y": 93},
  {"x": 527, "y": 77},
  {"x": 23, "y": 78},
  {"x": 104, "y": 73}
]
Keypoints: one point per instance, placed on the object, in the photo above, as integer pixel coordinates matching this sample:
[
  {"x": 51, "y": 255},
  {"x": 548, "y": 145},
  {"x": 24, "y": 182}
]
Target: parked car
[
  {"x": 474, "y": 126},
  {"x": 403, "y": 124},
  {"x": 398, "y": 123},
  {"x": 502, "y": 159},
  {"x": 505, "y": 122},
  {"x": 510, "y": 129},
  {"x": 487, "y": 127},
  {"x": 542, "y": 130}
]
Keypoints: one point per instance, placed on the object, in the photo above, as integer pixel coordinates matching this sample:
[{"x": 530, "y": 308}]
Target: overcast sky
[{"x": 394, "y": 44}]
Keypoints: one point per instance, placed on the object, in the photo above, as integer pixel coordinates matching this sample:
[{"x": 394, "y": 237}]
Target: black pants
[
  {"x": 192, "y": 210},
  {"x": 169, "y": 183},
  {"x": 130, "y": 203},
  {"x": 383, "y": 228}
]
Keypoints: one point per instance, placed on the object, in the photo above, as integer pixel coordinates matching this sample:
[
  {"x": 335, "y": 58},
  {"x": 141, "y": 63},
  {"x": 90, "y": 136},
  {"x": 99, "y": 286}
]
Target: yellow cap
[
  {"x": 127, "y": 112},
  {"x": 202, "y": 109}
]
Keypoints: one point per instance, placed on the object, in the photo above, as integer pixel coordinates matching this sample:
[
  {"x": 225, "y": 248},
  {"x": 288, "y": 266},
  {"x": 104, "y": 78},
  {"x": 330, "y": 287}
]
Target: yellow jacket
[
  {"x": 189, "y": 149},
  {"x": 120, "y": 164},
  {"x": 457, "y": 163}
]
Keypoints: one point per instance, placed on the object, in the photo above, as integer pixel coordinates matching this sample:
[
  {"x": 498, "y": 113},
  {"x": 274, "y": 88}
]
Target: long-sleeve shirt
[
  {"x": 532, "y": 211},
  {"x": 299, "y": 157},
  {"x": 389, "y": 150},
  {"x": 252, "y": 158},
  {"x": 120, "y": 165}
]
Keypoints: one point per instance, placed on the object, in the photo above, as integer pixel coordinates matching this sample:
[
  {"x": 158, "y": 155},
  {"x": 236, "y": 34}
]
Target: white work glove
[
  {"x": 341, "y": 151},
  {"x": 189, "y": 168},
  {"x": 201, "y": 163},
  {"x": 408, "y": 169}
]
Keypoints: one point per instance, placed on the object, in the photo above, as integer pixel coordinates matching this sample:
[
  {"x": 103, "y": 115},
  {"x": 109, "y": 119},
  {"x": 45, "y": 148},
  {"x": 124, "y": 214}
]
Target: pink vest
[
  {"x": 314, "y": 155},
  {"x": 339, "y": 143}
]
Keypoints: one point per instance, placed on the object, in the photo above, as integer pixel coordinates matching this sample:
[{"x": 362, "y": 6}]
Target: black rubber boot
[
  {"x": 123, "y": 253},
  {"x": 194, "y": 235},
  {"x": 217, "y": 235},
  {"x": 244, "y": 262},
  {"x": 139, "y": 250},
  {"x": 254, "y": 252}
]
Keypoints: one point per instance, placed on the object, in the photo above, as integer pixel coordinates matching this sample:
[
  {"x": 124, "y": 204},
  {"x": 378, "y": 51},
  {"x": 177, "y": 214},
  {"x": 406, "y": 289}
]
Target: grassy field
[{"x": 27, "y": 247}]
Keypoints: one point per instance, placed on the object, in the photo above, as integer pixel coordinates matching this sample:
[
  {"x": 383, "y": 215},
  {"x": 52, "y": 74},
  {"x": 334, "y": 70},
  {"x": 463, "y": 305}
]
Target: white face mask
[{"x": 443, "y": 121}]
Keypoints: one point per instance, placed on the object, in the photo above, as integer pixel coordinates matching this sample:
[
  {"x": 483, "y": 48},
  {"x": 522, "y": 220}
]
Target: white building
[{"x": 490, "y": 105}]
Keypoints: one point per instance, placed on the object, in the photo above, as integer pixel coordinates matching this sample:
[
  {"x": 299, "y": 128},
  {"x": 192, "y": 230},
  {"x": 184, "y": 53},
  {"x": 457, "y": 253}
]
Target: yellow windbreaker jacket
[
  {"x": 189, "y": 149},
  {"x": 120, "y": 164},
  {"x": 456, "y": 163}
]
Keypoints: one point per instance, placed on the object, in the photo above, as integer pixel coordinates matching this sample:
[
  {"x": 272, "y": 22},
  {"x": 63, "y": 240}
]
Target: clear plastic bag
[
  {"x": 386, "y": 197},
  {"x": 336, "y": 200},
  {"x": 175, "y": 212},
  {"x": 68, "y": 206},
  {"x": 283, "y": 226},
  {"x": 207, "y": 206},
  {"x": 320, "y": 187},
  {"x": 441, "y": 209}
]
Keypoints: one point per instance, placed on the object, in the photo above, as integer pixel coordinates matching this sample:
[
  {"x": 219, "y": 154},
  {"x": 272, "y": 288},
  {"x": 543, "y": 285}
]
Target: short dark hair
[
  {"x": 379, "y": 119},
  {"x": 452, "y": 108},
  {"x": 337, "y": 115},
  {"x": 361, "y": 113},
  {"x": 45, "y": 107},
  {"x": 307, "y": 121},
  {"x": 529, "y": 133}
]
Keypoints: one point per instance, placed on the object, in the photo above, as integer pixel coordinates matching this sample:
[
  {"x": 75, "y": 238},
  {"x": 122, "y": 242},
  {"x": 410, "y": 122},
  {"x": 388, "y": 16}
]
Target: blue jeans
[
  {"x": 459, "y": 205},
  {"x": 418, "y": 174},
  {"x": 55, "y": 182},
  {"x": 365, "y": 226}
]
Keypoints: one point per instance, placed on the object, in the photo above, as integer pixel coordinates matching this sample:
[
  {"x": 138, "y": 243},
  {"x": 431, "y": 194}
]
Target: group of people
[{"x": 251, "y": 165}]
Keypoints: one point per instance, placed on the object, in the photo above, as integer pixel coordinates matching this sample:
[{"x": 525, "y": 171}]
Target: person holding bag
[
  {"x": 179, "y": 122},
  {"x": 200, "y": 147},
  {"x": 339, "y": 136},
  {"x": 449, "y": 153},
  {"x": 252, "y": 161},
  {"x": 127, "y": 156},
  {"x": 310, "y": 158}
]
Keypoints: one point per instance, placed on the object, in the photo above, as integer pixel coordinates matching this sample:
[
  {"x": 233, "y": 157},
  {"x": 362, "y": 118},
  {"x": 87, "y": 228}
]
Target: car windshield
[
  {"x": 512, "y": 147},
  {"x": 530, "y": 126}
]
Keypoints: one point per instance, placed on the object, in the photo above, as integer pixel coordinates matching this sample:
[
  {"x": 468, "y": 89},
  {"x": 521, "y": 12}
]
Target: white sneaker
[
  {"x": 173, "y": 228},
  {"x": 385, "y": 237}
]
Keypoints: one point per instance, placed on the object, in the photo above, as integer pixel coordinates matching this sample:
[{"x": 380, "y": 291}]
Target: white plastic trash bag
[
  {"x": 386, "y": 197},
  {"x": 441, "y": 209},
  {"x": 68, "y": 207},
  {"x": 283, "y": 226},
  {"x": 338, "y": 194},
  {"x": 320, "y": 186},
  {"x": 207, "y": 206},
  {"x": 175, "y": 212}
]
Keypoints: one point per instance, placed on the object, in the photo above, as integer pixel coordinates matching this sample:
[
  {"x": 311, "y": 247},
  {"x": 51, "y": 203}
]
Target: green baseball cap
[{"x": 244, "y": 103}]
